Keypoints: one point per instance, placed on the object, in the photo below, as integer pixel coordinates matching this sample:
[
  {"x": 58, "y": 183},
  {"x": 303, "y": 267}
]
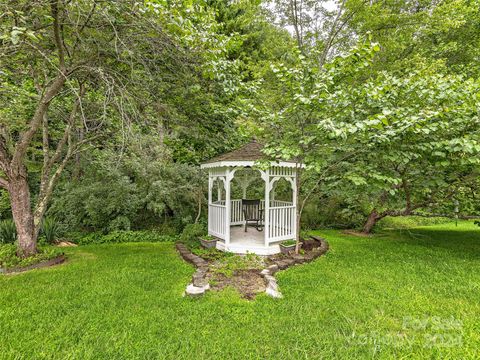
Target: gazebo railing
[
  {"x": 217, "y": 219},
  {"x": 281, "y": 219},
  {"x": 282, "y": 223}
]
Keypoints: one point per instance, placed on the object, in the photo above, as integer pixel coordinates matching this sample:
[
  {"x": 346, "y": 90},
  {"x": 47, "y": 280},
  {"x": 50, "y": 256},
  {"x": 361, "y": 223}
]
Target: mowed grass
[{"x": 399, "y": 294}]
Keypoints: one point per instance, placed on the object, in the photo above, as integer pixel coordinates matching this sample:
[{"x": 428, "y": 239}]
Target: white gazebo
[{"x": 225, "y": 215}]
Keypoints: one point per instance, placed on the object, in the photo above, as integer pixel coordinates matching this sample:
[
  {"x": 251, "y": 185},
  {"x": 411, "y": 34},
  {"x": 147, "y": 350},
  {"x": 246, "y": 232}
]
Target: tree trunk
[
  {"x": 371, "y": 221},
  {"x": 298, "y": 209},
  {"x": 22, "y": 215}
]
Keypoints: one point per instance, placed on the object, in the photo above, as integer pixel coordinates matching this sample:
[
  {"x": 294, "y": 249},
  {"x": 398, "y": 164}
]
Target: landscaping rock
[
  {"x": 265, "y": 272},
  {"x": 272, "y": 290},
  {"x": 272, "y": 269},
  {"x": 200, "y": 282},
  {"x": 269, "y": 279},
  {"x": 298, "y": 258},
  {"x": 318, "y": 238},
  {"x": 194, "y": 291},
  {"x": 282, "y": 264}
]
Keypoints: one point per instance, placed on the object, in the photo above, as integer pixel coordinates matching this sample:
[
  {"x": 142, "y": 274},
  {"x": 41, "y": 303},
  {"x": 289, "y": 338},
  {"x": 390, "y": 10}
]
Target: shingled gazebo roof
[{"x": 247, "y": 155}]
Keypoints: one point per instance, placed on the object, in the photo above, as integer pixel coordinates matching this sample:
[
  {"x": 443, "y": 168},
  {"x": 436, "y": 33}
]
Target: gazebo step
[{"x": 238, "y": 248}]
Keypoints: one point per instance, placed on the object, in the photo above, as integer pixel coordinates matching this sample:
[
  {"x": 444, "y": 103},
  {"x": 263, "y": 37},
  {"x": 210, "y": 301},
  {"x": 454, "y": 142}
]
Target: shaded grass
[{"x": 361, "y": 300}]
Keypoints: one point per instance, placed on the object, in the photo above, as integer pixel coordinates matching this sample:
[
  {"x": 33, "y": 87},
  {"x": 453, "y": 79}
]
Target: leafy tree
[{"x": 77, "y": 75}]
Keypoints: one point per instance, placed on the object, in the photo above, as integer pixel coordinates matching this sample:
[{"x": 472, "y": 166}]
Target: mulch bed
[
  {"x": 248, "y": 283},
  {"x": 55, "y": 261}
]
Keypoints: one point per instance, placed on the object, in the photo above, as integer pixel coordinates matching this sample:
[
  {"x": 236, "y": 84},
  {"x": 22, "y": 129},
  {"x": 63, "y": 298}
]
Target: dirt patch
[
  {"x": 309, "y": 245},
  {"x": 248, "y": 283},
  {"x": 355, "y": 233}
]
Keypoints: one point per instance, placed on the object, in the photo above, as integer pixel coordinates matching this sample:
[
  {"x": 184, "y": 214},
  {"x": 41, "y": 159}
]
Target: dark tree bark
[{"x": 372, "y": 220}]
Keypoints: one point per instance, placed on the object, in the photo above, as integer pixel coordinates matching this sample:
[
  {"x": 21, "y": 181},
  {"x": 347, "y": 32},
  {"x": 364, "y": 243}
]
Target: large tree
[{"x": 77, "y": 74}]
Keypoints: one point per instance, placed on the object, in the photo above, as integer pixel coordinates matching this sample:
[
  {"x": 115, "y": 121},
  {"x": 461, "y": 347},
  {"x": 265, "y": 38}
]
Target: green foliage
[
  {"x": 9, "y": 258},
  {"x": 288, "y": 242},
  {"x": 124, "y": 237},
  {"x": 5, "y": 210},
  {"x": 50, "y": 229},
  {"x": 190, "y": 235},
  {"x": 8, "y": 232},
  {"x": 211, "y": 254},
  {"x": 229, "y": 265}
]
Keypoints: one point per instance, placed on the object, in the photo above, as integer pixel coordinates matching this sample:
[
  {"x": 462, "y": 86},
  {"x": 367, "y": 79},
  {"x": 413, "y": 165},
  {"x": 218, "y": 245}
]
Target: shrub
[
  {"x": 9, "y": 258},
  {"x": 50, "y": 229},
  {"x": 211, "y": 254},
  {"x": 8, "y": 232},
  {"x": 125, "y": 236},
  {"x": 190, "y": 235}
]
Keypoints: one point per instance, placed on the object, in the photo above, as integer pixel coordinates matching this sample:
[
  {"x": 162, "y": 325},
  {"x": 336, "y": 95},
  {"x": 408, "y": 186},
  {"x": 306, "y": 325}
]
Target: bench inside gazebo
[{"x": 251, "y": 209}]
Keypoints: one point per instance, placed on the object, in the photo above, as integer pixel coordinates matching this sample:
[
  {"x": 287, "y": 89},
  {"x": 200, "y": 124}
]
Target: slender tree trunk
[
  {"x": 22, "y": 215},
  {"x": 298, "y": 209}
]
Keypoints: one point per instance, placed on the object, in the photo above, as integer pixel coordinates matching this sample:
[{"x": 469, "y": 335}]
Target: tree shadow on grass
[{"x": 462, "y": 241}]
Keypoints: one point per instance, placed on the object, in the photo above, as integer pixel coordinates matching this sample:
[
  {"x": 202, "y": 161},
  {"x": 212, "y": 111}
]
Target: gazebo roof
[{"x": 247, "y": 155}]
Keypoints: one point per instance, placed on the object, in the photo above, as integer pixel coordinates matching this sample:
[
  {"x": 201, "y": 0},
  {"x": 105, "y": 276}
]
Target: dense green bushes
[
  {"x": 8, "y": 232},
  {"x": 50, "y": 230},
  {"x": 124, "y": 236},
  {"x": 140, "y": 192},
  {"x": 190, "y": 235}
]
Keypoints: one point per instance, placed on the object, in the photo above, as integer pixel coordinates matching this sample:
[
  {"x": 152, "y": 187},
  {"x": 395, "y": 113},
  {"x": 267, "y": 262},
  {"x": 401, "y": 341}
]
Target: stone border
[
  {"x": 200, "y": 285},
  {"x": 282, "y": 264},
  {"x": 55, "y": 261}
]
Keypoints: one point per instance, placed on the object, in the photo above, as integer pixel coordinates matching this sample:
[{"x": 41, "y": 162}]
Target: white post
[
  {"x": 228, "y": 206},
  {"x": 266, "y": 228}
]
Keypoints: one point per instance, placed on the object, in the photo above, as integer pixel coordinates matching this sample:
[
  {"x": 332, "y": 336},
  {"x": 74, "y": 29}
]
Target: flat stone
[
  {"x": 265, "y": 272},
  {"x": 270, "y": 278},
  {"x": 299, "y": 259},
  {"x": 274, "y": 293},
  {"x": 200, "y": 282},
  {"x": 194, "y": 291},
  {"x": 198, "y": 261},
  {"x": 273, "y": 269},
  {"x": 273, "y": 285},
  {"x": 198, "y": 276},
  {"x": 309, "y": 256},
  {"x": 282, "y": 264},
  {"x": 318, "y": 238}
]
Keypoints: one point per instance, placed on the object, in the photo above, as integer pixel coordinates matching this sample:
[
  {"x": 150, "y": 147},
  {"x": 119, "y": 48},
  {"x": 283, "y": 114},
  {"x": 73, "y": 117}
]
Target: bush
[
  {"x": 190, "y": 235},
  {"x": 8, "y": 232},
  {"x": 125, "y": 236},
  {"x": 9, "y": 258},
  {"x": 50, "y": 229}
]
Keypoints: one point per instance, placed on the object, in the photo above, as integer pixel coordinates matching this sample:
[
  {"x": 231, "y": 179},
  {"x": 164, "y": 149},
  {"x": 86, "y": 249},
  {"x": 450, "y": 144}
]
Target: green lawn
[{"x": 408, "y": 294}]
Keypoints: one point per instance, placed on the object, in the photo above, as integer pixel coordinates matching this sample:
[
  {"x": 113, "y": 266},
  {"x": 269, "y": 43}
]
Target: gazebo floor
[{"x": 251, "y": 241}]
